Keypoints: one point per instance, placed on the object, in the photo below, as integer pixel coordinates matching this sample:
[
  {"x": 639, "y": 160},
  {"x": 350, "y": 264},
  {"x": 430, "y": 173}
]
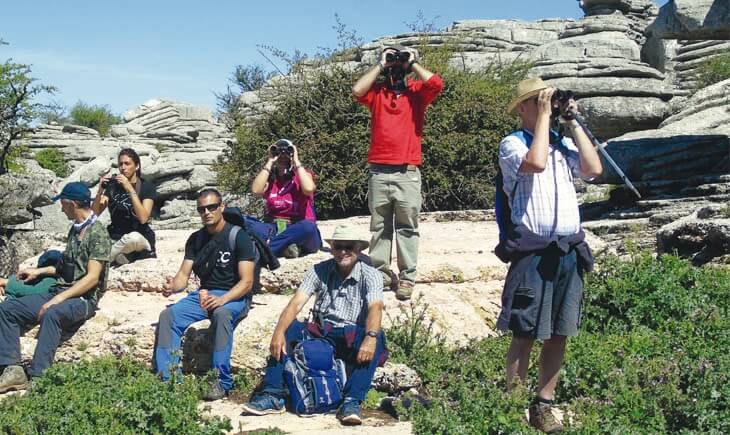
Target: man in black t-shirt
[{"x": 228, "y": 276}]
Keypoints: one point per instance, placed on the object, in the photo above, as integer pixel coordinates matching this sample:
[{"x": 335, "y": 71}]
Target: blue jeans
[
  {"x": 304, "y": 234},
  {"x": 359, "y": 376},
  {"x": 21, "y": 314},
  {"x": 176, "y": 318}
]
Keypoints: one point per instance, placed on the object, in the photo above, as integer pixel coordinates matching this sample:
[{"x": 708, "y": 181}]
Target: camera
[
  {"x": 282, "y": 146},
  {"x": 111, "y": 181},
  {"x": 398, "y": 56}
]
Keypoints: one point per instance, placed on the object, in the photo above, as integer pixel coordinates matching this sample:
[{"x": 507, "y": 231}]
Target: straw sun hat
[
  {"x": 344, "y": 233},
  {"x": 526, "y": 89}
]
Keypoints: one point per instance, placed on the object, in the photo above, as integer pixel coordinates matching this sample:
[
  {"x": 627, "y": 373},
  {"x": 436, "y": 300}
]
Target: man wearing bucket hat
[
  {"x": 81, "y": 283},
  {"x": 348, "y": 309},
  {"x": 544, "y": 243},
  {"x": 397, "y": 109}
]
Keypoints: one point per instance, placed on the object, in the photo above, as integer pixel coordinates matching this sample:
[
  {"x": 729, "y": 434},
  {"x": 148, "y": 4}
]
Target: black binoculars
[
  {"x": 398, "y": 56},
  {"x": 282, "y": 146}
]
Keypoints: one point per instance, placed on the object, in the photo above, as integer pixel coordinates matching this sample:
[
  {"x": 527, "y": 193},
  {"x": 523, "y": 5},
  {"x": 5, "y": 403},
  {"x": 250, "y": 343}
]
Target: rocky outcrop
[
  {"x": 702, "y": 236},
  {"x": 692, "y": 19},
  {"x": 22, "y": 192},
  {"x": 178, "y": 144}
]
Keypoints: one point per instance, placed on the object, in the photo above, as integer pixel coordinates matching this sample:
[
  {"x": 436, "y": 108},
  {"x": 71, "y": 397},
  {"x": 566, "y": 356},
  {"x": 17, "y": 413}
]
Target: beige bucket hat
[
  {"x": 345, "y": 233},
  {"x": 526, "y": 89}
]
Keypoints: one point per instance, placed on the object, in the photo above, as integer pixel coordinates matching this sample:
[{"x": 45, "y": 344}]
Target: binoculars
[
  {"x": 398, "y": 56},
  {"x": 282, "y": 146}
]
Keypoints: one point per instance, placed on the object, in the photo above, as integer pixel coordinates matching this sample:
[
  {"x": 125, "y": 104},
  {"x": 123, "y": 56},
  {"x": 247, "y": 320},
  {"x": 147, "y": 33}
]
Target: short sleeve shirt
[
  {"x": 397, "y": 121},
  {"x": 545, "y": 202},
  {"x": 285, "y": 200},
  {"x": 342, "y": 302},
  {"x": 93, "y": 243},
  {"x": 225, "y": 271},
  {"x": 121, "y": 211}
]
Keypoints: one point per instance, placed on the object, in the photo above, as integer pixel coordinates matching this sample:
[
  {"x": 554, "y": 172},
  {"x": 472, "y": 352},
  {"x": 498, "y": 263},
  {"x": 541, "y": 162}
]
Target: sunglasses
[
  {"x": 210, "y": 207},
  {"x": 344, "y": 246}
]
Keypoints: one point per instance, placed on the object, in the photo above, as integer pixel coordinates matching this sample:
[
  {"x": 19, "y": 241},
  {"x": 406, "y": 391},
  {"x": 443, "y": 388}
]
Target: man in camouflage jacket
[{"x": 81, "y": 283}]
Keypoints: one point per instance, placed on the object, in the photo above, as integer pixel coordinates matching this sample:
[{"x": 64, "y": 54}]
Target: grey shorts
[{"x": 549, "y": 298}]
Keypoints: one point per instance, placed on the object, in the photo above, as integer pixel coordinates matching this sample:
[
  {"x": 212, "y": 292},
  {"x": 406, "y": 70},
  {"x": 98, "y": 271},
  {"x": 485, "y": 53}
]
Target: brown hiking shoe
[
  {"x": 405, "y": 290},
  {"x": 13, "y": 378},
  {"x": 390, "y": 281},
  {"x": 541, "y": 418}
]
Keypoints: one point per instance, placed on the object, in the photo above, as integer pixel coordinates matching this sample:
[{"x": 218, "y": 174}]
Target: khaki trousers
[{"x": 394, "y": 199}]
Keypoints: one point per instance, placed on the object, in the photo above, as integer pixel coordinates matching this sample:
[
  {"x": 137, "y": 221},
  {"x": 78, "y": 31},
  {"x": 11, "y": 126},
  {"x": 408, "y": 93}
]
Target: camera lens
[
  {"x": 390, "y": 57},
  {"x": 274, "y": 150}
]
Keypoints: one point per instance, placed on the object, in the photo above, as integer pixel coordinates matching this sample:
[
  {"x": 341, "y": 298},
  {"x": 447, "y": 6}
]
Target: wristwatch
[{"x": 372, "y": 334}]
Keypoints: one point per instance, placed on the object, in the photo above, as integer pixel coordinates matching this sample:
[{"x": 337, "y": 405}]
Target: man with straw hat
[
  {"x": 545, "y": 243},
  {"x": 347, "y": 310}
]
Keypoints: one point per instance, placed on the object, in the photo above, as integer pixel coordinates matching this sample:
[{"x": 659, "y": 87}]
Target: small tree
[
  {"x": 18, "y": 109},
  {"x": 100, "y": 118}
]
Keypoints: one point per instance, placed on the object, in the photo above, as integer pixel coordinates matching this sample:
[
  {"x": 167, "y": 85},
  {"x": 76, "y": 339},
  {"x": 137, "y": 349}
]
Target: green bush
[
  {"x": 653, "y": 356},
  {"x": 100, "y": 118},
  {"x": 713, "y": 70},
  {"x": 54, "y": 160},
  {"x": 107, "y": 395},
  {"x": 315, "y": 109}
]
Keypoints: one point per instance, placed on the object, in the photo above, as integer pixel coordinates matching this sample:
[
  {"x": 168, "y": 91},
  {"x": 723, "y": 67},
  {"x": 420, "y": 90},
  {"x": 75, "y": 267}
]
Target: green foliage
[
  {"x": 653, "y": 356},
  {"x": 373, "y": 399},
  {"x": 315, "y": 109},
  {"x": 713, "y": 70},
  {"x": 54, "y": 160},
  {"x": 13, "y": 160},
  {"x": 100, "y": 118},
  {"x": 107, "y": 395},
  {"x": 18, "y": 108}
]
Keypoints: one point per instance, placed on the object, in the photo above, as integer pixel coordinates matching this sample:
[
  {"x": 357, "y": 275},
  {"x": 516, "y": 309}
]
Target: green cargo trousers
[{"x": 394, "y": 199}]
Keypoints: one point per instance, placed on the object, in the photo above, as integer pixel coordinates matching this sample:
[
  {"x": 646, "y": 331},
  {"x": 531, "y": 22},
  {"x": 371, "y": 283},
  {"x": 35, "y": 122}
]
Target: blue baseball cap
[{"x": 75, "y": 191}]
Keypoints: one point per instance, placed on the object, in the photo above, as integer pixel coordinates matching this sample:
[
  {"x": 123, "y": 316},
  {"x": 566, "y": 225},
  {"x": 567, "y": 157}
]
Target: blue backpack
[
  {"x": 502, "y": 206},
  {"x": 314, "y": 377}
]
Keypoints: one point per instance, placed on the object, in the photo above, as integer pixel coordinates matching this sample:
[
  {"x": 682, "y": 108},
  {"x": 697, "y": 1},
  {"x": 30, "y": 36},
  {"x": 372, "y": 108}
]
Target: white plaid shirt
[
  {"x": 340, "y": 301},
  {"x": 544, "y": 202}
]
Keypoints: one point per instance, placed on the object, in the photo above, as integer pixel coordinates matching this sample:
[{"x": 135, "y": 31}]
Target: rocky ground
[{"x": 460, "y": 280}]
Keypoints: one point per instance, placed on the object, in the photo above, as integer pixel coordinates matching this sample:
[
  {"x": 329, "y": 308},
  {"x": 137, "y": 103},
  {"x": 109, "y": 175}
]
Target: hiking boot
[
  {"x": 264, "y": 404},
  {"x": 542, "y": 418},
  {"x": 390, "y": 281},
  {"x": 215, "y": 392},
  {"x": 405, "y": 290},
  {"x": 13, "y": 378},
  {"x": 349, "y": 413},
  {"x": 291, "y": 251}
]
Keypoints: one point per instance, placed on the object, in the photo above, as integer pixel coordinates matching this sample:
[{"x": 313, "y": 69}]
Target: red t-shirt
[
  {"x": 397, "y": 120},
  {"x": 285, "y": 200}
]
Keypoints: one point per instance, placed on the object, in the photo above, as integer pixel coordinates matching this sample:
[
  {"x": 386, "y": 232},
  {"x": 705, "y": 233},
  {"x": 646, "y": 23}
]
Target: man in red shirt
[{"x": 397, "y": 107}]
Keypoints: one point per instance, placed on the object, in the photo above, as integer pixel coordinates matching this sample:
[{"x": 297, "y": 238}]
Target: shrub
[
  {"x": 653, "y": 356},
  {"x": 54, "y": 160},
  {"x": 315, "y": 109},
  {"x": 100, "y": 118},
  {"x": 713, "y": 70},
  {"x": 107, "y": 395}
]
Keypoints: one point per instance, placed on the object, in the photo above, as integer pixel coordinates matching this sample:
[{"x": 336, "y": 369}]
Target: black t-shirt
[
  {"x": 225, "y": 272},
  {"x": 124, "y": 220}
]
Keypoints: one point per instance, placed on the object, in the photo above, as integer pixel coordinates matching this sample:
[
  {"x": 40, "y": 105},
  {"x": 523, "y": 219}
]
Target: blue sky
[{"x": 122, "y": 53}]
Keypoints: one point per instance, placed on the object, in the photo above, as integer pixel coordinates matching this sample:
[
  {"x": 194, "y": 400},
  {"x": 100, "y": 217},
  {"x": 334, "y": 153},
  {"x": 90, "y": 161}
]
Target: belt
[{"x": 393, "y": 167}]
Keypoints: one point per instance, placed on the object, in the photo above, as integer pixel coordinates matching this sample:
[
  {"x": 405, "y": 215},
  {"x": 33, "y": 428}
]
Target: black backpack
[{"x": 204, "y": 261}]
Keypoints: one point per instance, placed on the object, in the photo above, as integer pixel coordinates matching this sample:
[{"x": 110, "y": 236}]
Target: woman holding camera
[
  {"x": 130, "y": 200},
  {"x": 288, "y": 189}
]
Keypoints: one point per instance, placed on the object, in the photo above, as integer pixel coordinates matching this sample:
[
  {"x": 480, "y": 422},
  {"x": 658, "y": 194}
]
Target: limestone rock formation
[
  {"x": 178, "y": 143},
  {"x": 702, "y": 236},
  {"x": 693, "y": 19}
]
